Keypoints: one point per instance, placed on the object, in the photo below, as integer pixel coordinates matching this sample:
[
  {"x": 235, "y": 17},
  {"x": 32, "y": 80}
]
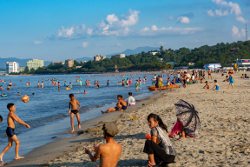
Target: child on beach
[
  {"x": 10, "y": 131},
  {"x": 131, "y": 99},
  {"x": 216, "y": 86},
  {"x": 110, "y": 152},
  {"x": 231, "y": 80},
  {"x": 206, "y": 85},
  {"x": 74, "y": 107}
]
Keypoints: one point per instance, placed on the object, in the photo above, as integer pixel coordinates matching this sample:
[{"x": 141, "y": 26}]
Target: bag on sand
[{"x": 166, "y": 143}]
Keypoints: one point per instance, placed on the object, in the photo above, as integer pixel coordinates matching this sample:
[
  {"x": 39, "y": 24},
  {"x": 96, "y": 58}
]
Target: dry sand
[{"x": 223, "y": 140}]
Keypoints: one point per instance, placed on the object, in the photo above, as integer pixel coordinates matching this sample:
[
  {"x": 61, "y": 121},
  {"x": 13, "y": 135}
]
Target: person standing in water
[
  {"x": 10, "y": 132},
  {"x": 74, "y": 107}
]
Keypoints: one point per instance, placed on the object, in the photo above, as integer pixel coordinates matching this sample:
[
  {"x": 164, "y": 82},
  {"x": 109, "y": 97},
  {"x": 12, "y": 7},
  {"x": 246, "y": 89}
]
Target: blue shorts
[{"x": 10, "y": 132}]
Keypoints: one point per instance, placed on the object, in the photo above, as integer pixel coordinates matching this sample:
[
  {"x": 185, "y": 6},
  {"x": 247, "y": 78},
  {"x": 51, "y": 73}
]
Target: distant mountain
[
  {"x": 83, "y": 59},
  {"x": 139, "y": 50},
  {"x": 22, "y": 62}
]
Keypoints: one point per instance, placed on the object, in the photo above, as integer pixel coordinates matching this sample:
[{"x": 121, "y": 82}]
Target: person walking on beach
[
  {"x": 74, "y": 107},
  {"x": 231, "y": 80},
  {"x": 10, "y": 131},
  {"x": 110, "y": 152},
  {"x": 158, "y": 145}
]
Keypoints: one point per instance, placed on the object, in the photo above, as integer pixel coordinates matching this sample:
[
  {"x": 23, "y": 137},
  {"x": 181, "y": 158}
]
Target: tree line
[{"x": 224, "y": 53}]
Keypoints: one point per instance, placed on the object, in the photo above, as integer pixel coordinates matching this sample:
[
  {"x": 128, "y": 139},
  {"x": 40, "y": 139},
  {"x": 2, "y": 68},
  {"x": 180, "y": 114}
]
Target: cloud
[
  {"x": 111, "y": 26},
  {"x": 115, "y": 26},
  {"x": 155, "y": 31},
  {"x": 37, "y": 42},
  {"x": 184, "y": 20},
  {"x": 228, "y": 7},
  {"x": 217, "y": 12},
  {"x": 85, "y": 44},
  {"x": 237, "y": 32}
]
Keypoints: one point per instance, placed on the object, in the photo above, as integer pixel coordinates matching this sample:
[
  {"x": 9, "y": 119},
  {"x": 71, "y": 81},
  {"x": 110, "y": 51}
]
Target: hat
[{"x": 110, "y": 128}]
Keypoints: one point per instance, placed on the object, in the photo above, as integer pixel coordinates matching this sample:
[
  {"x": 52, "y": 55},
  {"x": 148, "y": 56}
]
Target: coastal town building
[
  {"x": 69, "y": 63},
  {"x": 12, "y": 67},
  {"x": 122, "y": 55},
  {"x": 154, "y": 53},
  {"x": 99, "y": 58},
  {"x": 21, "y": 69},
  {"x": 35, "y": 64}
]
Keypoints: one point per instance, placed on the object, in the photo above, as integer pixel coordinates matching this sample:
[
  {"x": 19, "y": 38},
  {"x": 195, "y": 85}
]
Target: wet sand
[{"x": 223, "y": 139}]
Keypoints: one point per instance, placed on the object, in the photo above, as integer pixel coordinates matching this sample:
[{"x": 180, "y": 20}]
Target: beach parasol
[{"x": 188, "y": 116}]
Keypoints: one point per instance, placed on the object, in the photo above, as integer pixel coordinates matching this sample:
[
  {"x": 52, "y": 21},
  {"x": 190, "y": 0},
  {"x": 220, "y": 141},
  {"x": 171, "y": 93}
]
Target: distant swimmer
[
  {"x": 74, "y": 107},
  {"x": 84, "y": 92},
  {"x": 10, "y": 131}
]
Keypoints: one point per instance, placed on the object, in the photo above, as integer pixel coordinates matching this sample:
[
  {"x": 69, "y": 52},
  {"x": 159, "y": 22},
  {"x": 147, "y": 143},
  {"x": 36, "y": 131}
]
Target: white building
[
  {"x": 122, "y": 55},
  {"x": 154, "y": 53},
  {"x": 12, "y": 67},
  {"x": 35, "y": 64}
]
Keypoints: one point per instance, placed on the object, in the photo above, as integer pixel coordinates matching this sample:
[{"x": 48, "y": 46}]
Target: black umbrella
[{"x": 188, "y": 116}]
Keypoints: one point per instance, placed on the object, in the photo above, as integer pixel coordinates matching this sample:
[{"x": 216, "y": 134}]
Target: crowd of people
[{"x": 157, "y": 145}]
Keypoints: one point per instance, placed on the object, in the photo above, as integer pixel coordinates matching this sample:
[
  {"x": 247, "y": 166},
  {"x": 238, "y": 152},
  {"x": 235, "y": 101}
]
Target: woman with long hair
[{"x": 158, "y": 146}]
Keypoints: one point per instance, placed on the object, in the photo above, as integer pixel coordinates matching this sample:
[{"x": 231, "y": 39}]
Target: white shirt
[{"x": 131, "y": 100}]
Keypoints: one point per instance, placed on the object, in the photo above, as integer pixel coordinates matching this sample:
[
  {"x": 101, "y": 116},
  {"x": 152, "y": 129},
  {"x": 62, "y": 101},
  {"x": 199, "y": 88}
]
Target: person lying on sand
[
  {"x": 10, "y": 131},
  {"x": 120, "y": 105},
  {"x": 110, "y": 152},
  {"x": 159, "y": 148}
]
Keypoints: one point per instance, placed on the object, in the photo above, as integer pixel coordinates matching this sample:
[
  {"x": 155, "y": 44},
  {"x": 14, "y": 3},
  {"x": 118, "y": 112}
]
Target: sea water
[{"x": 47, "y": 110}]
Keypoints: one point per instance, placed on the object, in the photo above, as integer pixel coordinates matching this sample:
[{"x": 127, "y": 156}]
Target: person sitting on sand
[
  {"x": 216, "y": 86},
  {"x": 159, "y": 148},
  {"x": 10, "y": 132},
  {"x": 131, "y": 99},
  {"x": 226, "y": 79},
  {"x": 206, "y": 85},
  {"x": 74, "y": 107},
  {"x": 110, "y": 152},
  {"x": 120, "y": 105}
]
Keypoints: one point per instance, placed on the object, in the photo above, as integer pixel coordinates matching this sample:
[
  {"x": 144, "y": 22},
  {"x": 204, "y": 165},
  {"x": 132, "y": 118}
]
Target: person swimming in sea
[{"x": 74, "y": 107}]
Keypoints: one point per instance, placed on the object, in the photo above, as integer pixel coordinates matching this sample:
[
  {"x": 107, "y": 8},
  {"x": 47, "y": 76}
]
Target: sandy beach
[{"x": 223, "y": 139}]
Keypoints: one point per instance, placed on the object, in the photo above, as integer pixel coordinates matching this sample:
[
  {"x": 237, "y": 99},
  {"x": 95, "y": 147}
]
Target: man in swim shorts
[
  {"x": 74, "y": 107},
  {"x": 10, "y": 132}
]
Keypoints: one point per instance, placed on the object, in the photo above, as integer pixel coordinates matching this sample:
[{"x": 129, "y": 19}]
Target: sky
[{"x": 56, "y": 30}]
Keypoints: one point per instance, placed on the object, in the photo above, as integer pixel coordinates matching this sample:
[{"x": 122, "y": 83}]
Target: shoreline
[
  {"x": 42, "y": 155},
  {"x": 223, "y": 139}
]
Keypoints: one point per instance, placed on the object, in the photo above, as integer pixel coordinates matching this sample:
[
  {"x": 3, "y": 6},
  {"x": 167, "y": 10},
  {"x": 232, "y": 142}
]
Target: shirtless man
[
  {"x": 10, "y": 131},
  {"x": 74, "y": 107},
  {"x": 120, "y": 105},
  {"x": 110, "y": 152}
]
